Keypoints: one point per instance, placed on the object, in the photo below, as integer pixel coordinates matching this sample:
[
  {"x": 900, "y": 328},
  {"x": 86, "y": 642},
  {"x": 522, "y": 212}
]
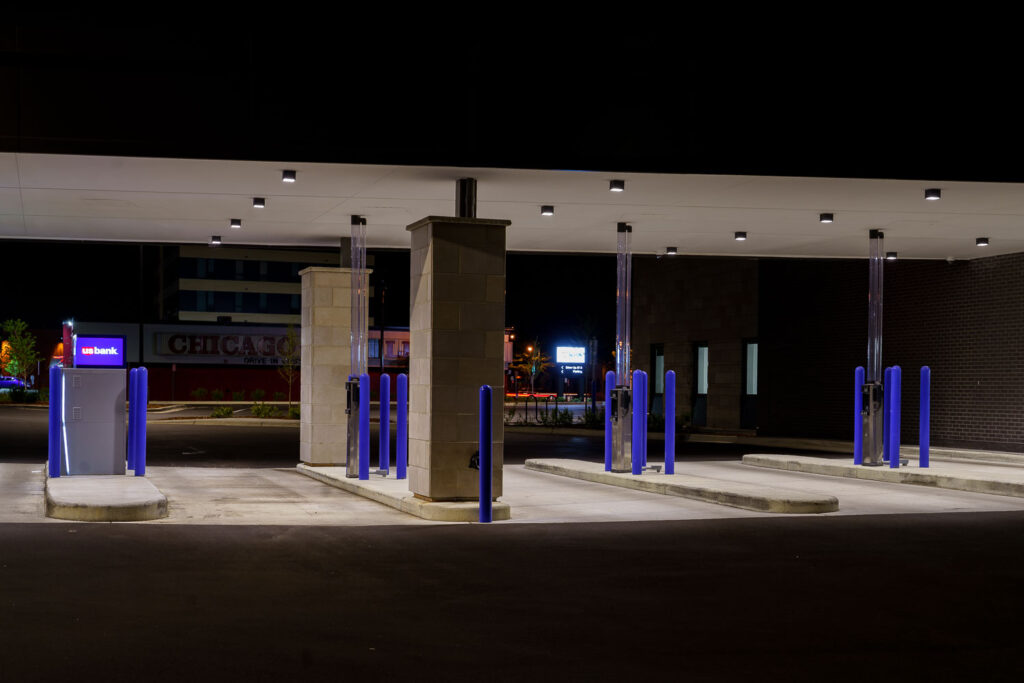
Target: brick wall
[
  {"x": 682, "y": 300},
  {"x": 965, "y": 320}
]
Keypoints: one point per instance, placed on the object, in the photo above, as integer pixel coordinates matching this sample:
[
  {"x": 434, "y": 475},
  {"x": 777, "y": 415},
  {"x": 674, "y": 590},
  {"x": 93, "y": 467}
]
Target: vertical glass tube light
[
  {"x": 624, "y": 274},
  {"x": 875, "y": 268},
  {"x": 358, "y": 334}
]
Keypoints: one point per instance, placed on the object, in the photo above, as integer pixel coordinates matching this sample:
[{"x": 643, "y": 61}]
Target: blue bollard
[
  {"x": 894, "y": 424},
  {"x": 402, "y": 432},
  {"x": 609, "y": 388},
  {"x": 385, "y": 424},
  {"x": 133, "y": 421},
  {"x": 858, "y": 421},
  {"x": 643, "y": 417},
  {"x": 926, "y": 414},
  {"x": 142, "y": 396},
  {"x": 54, "y": 427},
  {"x": 635, "y": 456},
  {"x": 364, "y": 426},
  {"x": 485, "y": 454},
  {"x": 886, "y": 414},
  {"x": 670, "y": 422}
]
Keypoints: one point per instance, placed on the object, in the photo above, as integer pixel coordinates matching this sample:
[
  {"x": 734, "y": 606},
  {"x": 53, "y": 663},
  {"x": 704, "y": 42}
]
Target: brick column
[
  {"x": 326, "y": 324},
  {"x": 457, "y": 327}
]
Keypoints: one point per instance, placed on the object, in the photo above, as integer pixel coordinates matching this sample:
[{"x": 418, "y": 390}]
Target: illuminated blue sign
[{"x": 99, "y": 352}]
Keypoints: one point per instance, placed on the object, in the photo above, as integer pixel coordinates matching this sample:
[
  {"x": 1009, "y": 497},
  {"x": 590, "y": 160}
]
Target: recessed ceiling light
[
  {"x": 671, "y": 251},
  {"x": 617, "y": 186},
  {"x": 933, "y": 194},
  {"x": 259, "y": 202},
  {"x": 547, "y": 211},
  {"x": 890, "y": 256},
  {"x": 236, "y": 223},
  {"x": 287, "y": 176},
  {"x": 981, "y": 242},
  {"x": 740, "y": 236},
  {"x": 215, "y": 241},
  {"x": 826, "y": 217}
]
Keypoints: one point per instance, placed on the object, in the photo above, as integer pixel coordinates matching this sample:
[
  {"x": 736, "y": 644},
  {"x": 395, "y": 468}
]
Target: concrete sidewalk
[
  {"x": 760, "y": 497},
  {"x": 959, "y": 475},
  {"x": 97, "y": 498},
  {"x": 283, "y": 497}
]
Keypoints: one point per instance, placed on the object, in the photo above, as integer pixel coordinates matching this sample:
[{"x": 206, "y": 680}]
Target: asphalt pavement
[
  {"x": 179, "y": 443},
  {"x": 915, "y": 597},
  {"x": 721, "y": 594}
]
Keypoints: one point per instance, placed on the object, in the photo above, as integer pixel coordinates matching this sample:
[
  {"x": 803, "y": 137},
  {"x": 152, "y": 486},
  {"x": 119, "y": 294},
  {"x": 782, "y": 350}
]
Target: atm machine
[{"x": 93, "y": 435}]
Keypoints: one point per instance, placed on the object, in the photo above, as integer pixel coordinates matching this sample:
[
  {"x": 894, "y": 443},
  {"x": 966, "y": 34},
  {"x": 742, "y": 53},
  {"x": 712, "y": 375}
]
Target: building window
[
  {"x": 702, "y": 370},
  {"x": 751, "y": 369}
]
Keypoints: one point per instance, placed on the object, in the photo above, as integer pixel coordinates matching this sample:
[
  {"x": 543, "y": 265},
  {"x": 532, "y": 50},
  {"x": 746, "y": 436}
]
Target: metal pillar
[
  {"x": 620, "y": 404},
  {"x": 465, "y": 197},
  {"x": 357, "y": 341},
  {"x": 872, "y": 413}
]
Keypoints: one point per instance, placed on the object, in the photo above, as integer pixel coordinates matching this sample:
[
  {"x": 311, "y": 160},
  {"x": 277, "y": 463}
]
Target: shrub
[
  {"x": 237, "y": 395},
  {"x": 655, "y": 422},
  {"x": 17, "y": 394},
  {"x": 222, "y": 411},
  {"x": 293, "y": 413},
  {"x": 44, "y": 395},
  {"x": 562, "y": 418},
  {"x": 594, "y": 420},
  {"x": 257, "y": 394},
  {"x": 217, "y": 395},
  {"x": 263, "y": 410},
  {"x": 279, "y": 396},
  {"x": 5, "y": 397},
  {"x": 198, "y": 394}
]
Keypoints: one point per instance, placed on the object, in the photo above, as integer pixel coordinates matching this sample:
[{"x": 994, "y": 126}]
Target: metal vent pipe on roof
[{"x": 465, "y": 198}]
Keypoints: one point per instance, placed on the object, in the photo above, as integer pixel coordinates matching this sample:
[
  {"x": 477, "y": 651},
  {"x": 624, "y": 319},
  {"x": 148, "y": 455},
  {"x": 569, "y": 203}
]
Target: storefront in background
[{"x": 235, "y": 360}]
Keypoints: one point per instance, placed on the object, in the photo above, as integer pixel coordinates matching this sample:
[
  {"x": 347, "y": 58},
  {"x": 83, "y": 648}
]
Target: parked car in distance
[{"x": 11, "y": 383}]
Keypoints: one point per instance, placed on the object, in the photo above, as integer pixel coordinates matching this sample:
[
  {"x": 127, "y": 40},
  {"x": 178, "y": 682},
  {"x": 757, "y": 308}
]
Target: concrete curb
[
  {"x": 718, "y": 491},
  {"x": 964, "y": 480},
  {"x": 395, "y": 493},
  {"x": 228, "y": 422},
  {"x": 108, "y": 498}
]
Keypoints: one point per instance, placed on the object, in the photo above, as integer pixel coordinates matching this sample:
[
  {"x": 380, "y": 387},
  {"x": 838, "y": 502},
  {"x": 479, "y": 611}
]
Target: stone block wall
[
  {"x": 325, "y": 345},
  {"x": 456, "y": 327}
]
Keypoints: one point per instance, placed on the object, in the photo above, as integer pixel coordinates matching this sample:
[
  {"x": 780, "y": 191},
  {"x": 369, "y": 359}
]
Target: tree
[
  {"x": 532, "y": 362},
  {"x": 19, "y": 350},
  {"x": 290, "y": 356}
]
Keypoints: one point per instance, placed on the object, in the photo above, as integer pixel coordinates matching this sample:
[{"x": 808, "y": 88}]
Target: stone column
[
  {"x": 326, "y": 324},
  {"x": 457, "y": 327}
]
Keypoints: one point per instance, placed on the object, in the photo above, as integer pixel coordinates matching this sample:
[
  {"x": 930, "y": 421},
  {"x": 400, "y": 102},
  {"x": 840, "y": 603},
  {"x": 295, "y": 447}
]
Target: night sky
[
  {"x": 857, "y": 94},
  {"x": 554, "y": 298}
]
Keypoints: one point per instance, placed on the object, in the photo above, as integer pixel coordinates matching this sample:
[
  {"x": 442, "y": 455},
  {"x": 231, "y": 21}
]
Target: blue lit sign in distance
[
  {"x": 571, "y": 354},
  {"x": 99, "y": 352}
]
